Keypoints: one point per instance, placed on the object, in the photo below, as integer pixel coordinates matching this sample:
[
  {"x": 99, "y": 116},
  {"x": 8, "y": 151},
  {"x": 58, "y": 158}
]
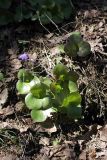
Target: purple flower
[{"x": 24, "y": 57}]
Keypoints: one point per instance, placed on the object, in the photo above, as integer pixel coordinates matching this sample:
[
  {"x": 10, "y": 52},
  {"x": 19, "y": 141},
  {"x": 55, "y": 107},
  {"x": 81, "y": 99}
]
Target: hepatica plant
[
  {"x": 44, "y": 96},
  {"x": 76, "y": 46}
]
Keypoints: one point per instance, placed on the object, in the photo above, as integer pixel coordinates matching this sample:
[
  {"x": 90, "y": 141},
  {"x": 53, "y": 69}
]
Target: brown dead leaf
[
  {"x": 91, "y": 14},
  {"x": 54, "y": 51},
  {"x": 48, "y": 36},
  {"x": 3, "y": 97},
  {"x": 8, "y": 157},
  {"x": 48, "y": 126},
  {"x": 33, "y": 56},
  {"x": 19, "y": 106},
  {"x": 92, "y": 154},
  {"x": 44, "y": 141},
  {"x": 16, "y": 64},
  {"x": 22, "y": 126},
  {"x": 103, "y": 133},
  {"x": 87, "y": 136},
  {"x": 82, "y": 156},
  {"x": 7, "y": 111}
]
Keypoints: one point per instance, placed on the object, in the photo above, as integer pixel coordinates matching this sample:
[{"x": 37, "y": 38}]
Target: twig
[{"x": 53, "y": 23}]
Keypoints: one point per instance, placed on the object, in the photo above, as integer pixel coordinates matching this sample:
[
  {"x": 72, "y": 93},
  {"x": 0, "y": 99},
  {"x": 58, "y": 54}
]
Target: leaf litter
[{"x": 87, "y": 141}]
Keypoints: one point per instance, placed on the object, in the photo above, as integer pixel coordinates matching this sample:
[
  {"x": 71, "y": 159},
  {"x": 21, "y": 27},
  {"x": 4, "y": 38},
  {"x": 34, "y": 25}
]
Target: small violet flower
[{"x": 23, "y": 57}]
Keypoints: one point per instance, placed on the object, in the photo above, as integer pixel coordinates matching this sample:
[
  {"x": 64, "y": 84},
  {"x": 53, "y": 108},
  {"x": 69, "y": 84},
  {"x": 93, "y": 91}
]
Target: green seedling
[
  {"x": 45, "y": 96},
  {"x": 76, "y": 46},
  {"x": 1, "y": 76}
]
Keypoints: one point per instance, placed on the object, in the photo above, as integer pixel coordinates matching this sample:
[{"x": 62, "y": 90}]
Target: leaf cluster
[
  {"x": 45, "y": 95},
  {"x": 44, "y": 10},
  {"x": 76, "y": 46}
]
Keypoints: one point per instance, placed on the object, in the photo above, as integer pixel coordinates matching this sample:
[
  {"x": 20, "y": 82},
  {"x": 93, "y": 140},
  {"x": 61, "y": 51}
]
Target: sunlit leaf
[
  {"x": 32, "y": 102},
  {"x": 73, "y": 99},
  {"x": 35, "y": 103},
  {"x": 47, "y": 81},
  {"x": 23, "y": 87},
  {"x": 39, "y": 90},
  {"x": 41, "y": 115},
  {"x": 56, "y": 88},
  {"x": 46, "y": 102},
  {"x": 24, "y": 75},
  {"x": 38, "y": 115},
  {"x": 72, "y": 87}
]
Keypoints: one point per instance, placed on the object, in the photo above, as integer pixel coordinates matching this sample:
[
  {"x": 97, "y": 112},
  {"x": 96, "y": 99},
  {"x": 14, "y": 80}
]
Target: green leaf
[
  {"x": 25, "y": 76},
  {"x": 39, "y": 90},
  {"x": 60, "y": 91},
  {"x": 5, "y": 4},
  {"x": 34, "y": 81},
  {"x": 60, "y": 70},
  {"x": 46, "y": 81},
  {"x": 76, "y": 46},
  {"x": 1, "y": 76},
  {"x": 23, "y": 87},
  {"x": 72, "y": 87},
  {"x": 67, "y": 11},
  {"x": 32, "y": 102},
  {"x": 35, "y": 103},
  {"x": 41, "y": 115},
  {"x": 55, "y": 88},
  {"x": 73, "y": 99},
  {"x": 61, "y": 48},
  {"x": 74, "y": 111},
  {"x": 71, "y": 48},
  {"x": 75, "y": 37},
  {"x": 84, "y": 49},
  {"x": 38, "y": 115},
  {"x": 73, "y": 76},
  {"x": 5, "y": 17},
  {"x": 46, "y": 102}
]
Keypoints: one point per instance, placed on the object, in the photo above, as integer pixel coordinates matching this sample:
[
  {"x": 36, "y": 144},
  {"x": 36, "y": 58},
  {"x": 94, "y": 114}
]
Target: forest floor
[{"x": 86, "y": 139}]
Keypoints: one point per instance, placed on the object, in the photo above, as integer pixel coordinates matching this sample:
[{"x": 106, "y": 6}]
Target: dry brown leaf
[
  {"x": 16, "y": 64},
  {"x": 8, "y": 157},
  {"x": 15, "y": 124},
  {"x": 7, "y": 111},
  {"x": 82, "y": 156},
  {"x": 44, "y": 141},
  {"x": 19, "y": 106},
  {"x": 92, "y": 154},
  {"x": 103, "y": 133},
  {"x": 3, "y": 97}
]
